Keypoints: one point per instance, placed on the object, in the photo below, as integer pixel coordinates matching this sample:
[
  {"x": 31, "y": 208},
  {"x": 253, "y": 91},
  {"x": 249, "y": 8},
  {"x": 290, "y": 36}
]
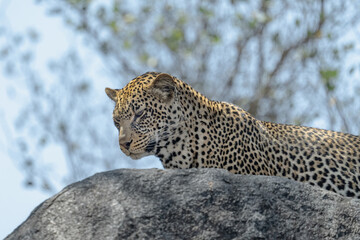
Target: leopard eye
[
  {"x": 116, "y": 123},
  {"x": 138, "y": 114}
]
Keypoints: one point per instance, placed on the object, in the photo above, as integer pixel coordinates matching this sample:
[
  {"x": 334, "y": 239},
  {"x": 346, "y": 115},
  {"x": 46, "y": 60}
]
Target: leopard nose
[
  {"x": 121, "y": 133},
  {"x": 126, "y": 145}
]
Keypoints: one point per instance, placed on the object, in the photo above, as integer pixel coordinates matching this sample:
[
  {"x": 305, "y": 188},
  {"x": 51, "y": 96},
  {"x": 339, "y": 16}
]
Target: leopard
[{"x": 159, "y": 114}]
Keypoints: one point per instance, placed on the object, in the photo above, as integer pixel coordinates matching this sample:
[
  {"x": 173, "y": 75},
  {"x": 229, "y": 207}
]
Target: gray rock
[{"x": 191, "y": 204}]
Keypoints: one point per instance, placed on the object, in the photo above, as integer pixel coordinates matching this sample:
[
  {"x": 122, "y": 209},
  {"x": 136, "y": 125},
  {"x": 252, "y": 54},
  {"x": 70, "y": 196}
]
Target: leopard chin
[
  {"x": 137, "y": 156},
  {"x": 134, "y": 156}
]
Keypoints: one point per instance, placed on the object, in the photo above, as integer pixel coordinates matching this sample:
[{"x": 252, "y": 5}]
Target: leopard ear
[
  {"x": 111, "y": 93},
  {"x": 163, "y": 87}
]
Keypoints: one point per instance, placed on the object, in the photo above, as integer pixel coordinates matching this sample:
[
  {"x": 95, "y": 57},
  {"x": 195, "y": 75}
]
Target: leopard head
[{"x": 146, "y": 113}]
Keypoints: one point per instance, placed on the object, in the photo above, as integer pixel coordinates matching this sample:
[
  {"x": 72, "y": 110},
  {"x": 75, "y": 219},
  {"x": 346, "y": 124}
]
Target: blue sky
[{"x": 16, "y": 201}]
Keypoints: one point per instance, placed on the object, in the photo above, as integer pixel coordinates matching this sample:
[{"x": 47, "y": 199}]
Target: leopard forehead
[{"x": 134, "y": 95}]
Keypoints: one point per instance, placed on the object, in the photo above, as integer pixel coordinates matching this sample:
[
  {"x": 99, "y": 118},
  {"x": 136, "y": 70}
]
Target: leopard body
[{"x": 158, "y": 114}]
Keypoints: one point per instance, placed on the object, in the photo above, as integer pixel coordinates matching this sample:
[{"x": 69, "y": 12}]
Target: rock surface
[{"x": 191, "y": 204}]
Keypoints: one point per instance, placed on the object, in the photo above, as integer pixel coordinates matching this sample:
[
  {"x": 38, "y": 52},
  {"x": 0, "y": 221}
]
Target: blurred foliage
[
  {"x": 273, "y": 58},
  {"x": 328, "y": 77}
]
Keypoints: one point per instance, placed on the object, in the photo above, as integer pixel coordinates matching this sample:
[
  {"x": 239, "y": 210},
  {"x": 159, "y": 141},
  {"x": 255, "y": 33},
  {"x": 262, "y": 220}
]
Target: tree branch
[{"x": 308, "y": 38}]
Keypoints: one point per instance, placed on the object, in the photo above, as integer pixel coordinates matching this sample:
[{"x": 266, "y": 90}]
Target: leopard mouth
[
  {"x": 126, "y": 149},
  {"x": 134, "y": 156}
]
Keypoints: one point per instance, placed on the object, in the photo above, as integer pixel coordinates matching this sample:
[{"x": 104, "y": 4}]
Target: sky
[{"x": 16, "y": 201}]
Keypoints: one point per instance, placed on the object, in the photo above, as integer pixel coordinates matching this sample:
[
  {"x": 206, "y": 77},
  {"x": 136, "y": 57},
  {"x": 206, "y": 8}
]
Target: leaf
[
  {"x": 146, "y": 9},
  {"x": 173, "y": 41},
  {"x": 318, "y": 34},
  {"x": 116, "y": 7},
  {"x": 129, "y": 18},
  {"x": 328, "y": 77},
  {"x": 348, "y": 46},
  {"x": 206, "y": 12},
  {"x": 335, "y": 53},
  {"x": 275, "y": 37},
  {"x": 144, "y": 57},
  {"x": 328, "y": 74},
  {"x": 239, "y": 17},
  {"x": 177, "y": 35},
  {"x": 182, "y": 19},
  {"x": 252, "y": 24},
  {"x": 127, "y": 44},
  {"x": 215, "y": 38},
  {"x": 113, "y": 26}
]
